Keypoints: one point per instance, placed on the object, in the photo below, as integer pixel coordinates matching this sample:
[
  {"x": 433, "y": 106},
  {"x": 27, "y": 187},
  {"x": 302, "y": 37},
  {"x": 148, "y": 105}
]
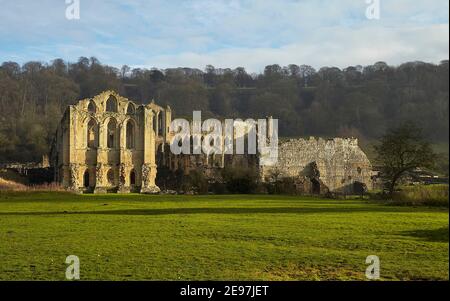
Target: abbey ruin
[
  {"x": 111, "y": 144},
  {"x": 108, "y": 143}
]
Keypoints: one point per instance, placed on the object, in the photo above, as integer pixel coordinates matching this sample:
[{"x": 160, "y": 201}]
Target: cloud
[
  {"x": 328, "y": 48},
  {"x": 225, "y": 33}
]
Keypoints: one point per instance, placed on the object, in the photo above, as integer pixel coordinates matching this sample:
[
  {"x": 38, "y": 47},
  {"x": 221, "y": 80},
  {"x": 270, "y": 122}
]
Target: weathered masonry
[
  {"x": 108, "y": 144},
  {"x": 320, "y": 166}
]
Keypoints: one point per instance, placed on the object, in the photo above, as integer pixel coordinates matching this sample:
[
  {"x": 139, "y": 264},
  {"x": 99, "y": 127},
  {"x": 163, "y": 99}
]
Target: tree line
[{"x": 356, "y": 101}]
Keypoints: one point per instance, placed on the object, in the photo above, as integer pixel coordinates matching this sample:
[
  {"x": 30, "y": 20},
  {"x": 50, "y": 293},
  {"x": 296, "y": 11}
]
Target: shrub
[
  {"x": 217, "y": 188},
  {"x": 11, "y": 185},
  {"x": 196, "y": 182},
  {"x": 7, "y": 185},
  {"x": 240, "y": 180},
  {"x": 47, "y": 187},
  {"x": 282, "y": 186},
  {"x": 422, "y": 195}
]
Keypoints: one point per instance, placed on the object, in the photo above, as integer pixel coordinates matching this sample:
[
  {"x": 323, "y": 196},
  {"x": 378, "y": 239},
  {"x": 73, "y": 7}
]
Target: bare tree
[{"x": 401, "y": 150}]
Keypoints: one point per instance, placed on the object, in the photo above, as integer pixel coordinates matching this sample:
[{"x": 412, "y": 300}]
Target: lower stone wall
[
  {"x": 311, "y": 166},
  {"x": 338, "y": 163}
]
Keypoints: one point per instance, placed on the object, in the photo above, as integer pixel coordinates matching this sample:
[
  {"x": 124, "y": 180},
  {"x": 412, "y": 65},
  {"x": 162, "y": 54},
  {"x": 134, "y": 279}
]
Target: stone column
[
  {"x": 102, "y": 156},
  {"x": 99, "y": 178},
  {"x": 74, "y": 182},
  {"x": 149, "y": 166},
  {"x": 168, "y": 120},
  {"x": 124, "y": 157},
  {"x": 157, "y": 124},
  {"x": 148, "y": 179},
  {"x": 124, "y": 186}
]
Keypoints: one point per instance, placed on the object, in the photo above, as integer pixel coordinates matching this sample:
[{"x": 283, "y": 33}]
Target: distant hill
[{"x": 356, "y": 101}]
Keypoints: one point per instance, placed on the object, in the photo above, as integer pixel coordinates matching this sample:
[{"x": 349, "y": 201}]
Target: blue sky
[{"x": 228, "y": 33}]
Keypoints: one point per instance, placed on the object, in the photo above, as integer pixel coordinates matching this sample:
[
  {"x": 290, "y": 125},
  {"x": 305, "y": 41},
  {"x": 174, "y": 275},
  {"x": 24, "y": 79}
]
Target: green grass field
[{"x": 140, "y": 237}]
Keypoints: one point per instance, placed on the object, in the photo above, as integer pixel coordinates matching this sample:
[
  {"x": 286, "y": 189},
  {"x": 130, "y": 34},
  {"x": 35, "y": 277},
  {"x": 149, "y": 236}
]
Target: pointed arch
[
  {"x": 111, "y": 140},
  {"x": 160, "y": 124},
  {"x": 92, "y": 134},
  {"x": 92, "y": 108},
  {"x": 155, "y": 122},
  {"x": 111, "y": 104},
  {"x": 130, "y": 134},
  {"x": 131, "y": 109}
]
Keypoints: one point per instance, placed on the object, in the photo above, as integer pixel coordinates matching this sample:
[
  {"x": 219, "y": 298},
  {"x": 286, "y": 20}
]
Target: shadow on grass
[
  {"x": 435, "y": 235},
  {"x": 62, "y": 197},
  {"x": 229, "y": 210}
]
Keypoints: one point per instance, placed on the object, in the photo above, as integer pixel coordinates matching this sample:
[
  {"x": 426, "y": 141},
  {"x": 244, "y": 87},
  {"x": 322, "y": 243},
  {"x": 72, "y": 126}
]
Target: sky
[{"x": 225, "y": 33}]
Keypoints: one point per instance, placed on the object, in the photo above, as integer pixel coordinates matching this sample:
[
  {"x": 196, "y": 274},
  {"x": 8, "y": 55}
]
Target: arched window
[
  {"x": 92, "y": 134},
  {"x": 155, "y": 123},
  {"x": 91, "y": 107},
  {"x": 130, "y": 134},
  {"x": 111, "y": 104},
  {"x": 112, "y": 129},
  {"x": 130, "y": 109},
  {"x": 160, "y": 124},
  {"x": 110, "y": 177},
  {"x": 132, "y": 178},
  {"x": 86, "y": 183}
]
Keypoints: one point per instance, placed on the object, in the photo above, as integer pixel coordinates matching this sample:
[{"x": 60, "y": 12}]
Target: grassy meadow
[{"x": 220, "y": 237}]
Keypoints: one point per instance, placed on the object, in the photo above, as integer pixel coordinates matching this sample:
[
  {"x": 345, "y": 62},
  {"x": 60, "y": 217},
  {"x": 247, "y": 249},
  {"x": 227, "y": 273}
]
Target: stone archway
[
  {"x": 315, "y": 186},
  {"x": 132, "y": 178},
  {"x": 359, "y": 188},
  {"x": 111, "y": 177}
]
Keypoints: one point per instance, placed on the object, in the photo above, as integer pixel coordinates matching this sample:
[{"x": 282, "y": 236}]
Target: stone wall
[
  {"x": 108, "y": 144},
  {"x": 313, "y": 166},
  {"x": 338, "y": 163}
]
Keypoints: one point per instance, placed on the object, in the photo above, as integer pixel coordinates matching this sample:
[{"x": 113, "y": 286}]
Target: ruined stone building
[
  {"x": 110, "y": 144},
  {"x": 320, "y": 166}
]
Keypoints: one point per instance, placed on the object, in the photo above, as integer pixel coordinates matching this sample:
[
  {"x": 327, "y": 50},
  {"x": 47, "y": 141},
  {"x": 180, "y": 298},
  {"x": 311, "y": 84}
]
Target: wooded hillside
[{"x": 356, "y": 101}]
